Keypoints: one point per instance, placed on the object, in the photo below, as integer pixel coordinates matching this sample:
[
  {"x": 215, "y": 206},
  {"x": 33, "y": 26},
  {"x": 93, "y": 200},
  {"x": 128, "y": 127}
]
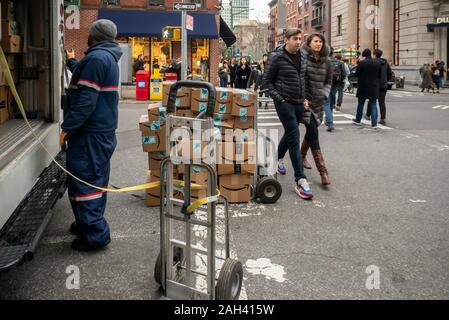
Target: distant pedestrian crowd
[{"x": 432, "y": 76}]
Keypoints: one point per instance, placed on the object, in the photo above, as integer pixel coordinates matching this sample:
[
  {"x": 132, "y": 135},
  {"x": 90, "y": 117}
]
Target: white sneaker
[{"x": 303, "y": 189}]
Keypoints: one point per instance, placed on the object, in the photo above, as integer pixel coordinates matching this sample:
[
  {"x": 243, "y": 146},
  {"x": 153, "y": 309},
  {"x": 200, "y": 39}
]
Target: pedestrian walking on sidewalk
[
  {"x": 441, "y": 73},
  {"x": 427, "y": 82},
  {"x": 233, "y": 72},
  {"x": 318, "y": 79},
  {"x": 344, "y": 70},
  {"x": 242, "y": 74},
  {"x": 285, "y": 81},
  {"x": 89, "y": 128},
  {"x": 368, "y": 74},
  {"x": 386, "y": 76},
  {"x": 223, "y": 74}
]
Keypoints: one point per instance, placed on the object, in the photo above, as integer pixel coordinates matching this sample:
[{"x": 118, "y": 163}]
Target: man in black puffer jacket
[{"x": 285, "y": 81}]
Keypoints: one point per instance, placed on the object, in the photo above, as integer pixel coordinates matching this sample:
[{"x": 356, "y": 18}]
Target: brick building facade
[{"x": 91, "y": 10}]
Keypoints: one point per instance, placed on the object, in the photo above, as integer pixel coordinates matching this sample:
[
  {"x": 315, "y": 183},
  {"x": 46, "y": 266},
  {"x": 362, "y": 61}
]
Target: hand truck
[{"x": 175, "y": 269}]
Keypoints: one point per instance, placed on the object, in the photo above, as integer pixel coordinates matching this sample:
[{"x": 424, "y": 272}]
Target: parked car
[{"x": 353, "y": 79}]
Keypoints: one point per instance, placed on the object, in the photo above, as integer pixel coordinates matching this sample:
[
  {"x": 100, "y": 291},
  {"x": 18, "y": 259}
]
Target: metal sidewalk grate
[{"x": 25, "y": 227}]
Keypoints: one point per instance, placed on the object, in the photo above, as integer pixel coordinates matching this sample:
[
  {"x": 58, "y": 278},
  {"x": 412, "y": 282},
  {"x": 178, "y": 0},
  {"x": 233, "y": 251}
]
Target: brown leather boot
[
  {"x": 321, "y": 166},
  {"x": 304, "y": 149}
]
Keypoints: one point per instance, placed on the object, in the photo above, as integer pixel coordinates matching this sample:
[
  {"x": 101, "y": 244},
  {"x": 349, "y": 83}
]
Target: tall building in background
[
  {"x": 277, "y": 22},
  {"x": 234, "y": 11},
  {"x": 409, "y": 32}
]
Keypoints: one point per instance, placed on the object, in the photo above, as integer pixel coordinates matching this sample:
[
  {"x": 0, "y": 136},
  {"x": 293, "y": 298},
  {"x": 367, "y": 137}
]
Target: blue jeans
[
  {"x": 291, "y": 116},
  {"x": 372, "y": 106},
  {"x": 328, "y": 110},
  {"x": 223, "y": 82}
]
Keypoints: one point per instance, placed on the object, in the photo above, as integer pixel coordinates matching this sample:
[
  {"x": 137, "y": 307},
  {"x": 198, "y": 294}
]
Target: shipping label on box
[
  {"x": 236, "y": 188},
  {"x": 153, "y": 135},
  {"x": 200, "y": 94},
  {"x": 224, "y": 95},
  {"x": 9, "y": 28},
  {"x": 157, "y": 112},
  {"x": 223, "y": 108},
  {"x": 223, "y": 121}
]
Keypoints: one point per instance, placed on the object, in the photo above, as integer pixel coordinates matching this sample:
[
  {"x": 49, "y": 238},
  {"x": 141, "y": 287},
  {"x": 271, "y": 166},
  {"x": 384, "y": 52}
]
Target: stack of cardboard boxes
[
  {"x": 236, "y": 152},
  {"x": 11, "y": 44}
]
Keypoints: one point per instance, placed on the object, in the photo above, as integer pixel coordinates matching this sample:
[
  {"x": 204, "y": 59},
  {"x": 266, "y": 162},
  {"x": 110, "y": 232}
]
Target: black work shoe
[
  {"x": 330, "y": 129},
  {"x": 81, "y": 244},
  {"x": 74, "y": 229}
]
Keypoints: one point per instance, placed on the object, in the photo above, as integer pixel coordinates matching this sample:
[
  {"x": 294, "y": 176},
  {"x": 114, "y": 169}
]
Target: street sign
[
  {"x": 189, "y": 22},
  {"x": 179, "y": 6}
]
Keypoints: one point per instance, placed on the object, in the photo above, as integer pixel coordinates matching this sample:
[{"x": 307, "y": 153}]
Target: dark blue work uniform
[{"x": 90, "y": 122}]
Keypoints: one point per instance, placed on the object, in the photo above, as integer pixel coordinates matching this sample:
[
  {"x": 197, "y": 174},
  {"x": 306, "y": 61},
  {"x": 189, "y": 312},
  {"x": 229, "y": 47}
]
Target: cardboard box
[
  {"x": 12, "y": 61},
  {"x": 224, "y": 95},
  {"x": 239, "y": 135},
  {"x": 157, "y": 112},
  {"x": 4, "y": 104},
  {"x": 3, "y": 79},
  {"x": 7, "y": 10},
  {"x": 196, "y": 151},
  {"x": 244, "y": 103},
  {"x": 237, "y": 158},
  {"x": 155, "y": 159},
  {"x": 9, "y": 28},
  {"x": 153, "y": 135},
  {"x": 200, "y": 95},
  {"x": 12, "y": 44},
  {"x": 198, "y": 175},
  {"x": 185, "y": 113},
  {"x": 244, "y": 123},
  {"x": 224, "y": 122},
  {"x": 183, "y": 96},
  {"x": 236, "y": 187}
]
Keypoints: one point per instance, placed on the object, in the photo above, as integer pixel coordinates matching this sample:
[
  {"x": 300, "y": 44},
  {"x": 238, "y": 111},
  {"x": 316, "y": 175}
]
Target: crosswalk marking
[
  {"x": 440, "y": 107},
  {"x": 269, "y": 119}
]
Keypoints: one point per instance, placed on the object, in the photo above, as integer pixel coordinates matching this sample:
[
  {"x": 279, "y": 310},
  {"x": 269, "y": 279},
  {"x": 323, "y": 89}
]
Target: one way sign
[{"x": 184, "y": 6}]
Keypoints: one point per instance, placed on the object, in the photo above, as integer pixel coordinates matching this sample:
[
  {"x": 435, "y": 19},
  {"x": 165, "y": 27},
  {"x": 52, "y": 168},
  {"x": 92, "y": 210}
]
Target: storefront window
[
  {"x": 161, "y": 53},
  {"x": 200, "y": 59},
  {"x": 141, "y": 46}
]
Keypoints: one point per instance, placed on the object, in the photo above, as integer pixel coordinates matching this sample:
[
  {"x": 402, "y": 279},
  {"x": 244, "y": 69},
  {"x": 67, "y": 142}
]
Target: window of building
[
  {"x": 200, "y": 59},
  {"x": 339, "y": 25},
  {"x": 107, "y": 3},
  {"x": 156, "y": 3}
]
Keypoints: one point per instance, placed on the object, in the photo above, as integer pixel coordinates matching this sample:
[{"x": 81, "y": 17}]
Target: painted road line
[{"x": 278, "y": 124}]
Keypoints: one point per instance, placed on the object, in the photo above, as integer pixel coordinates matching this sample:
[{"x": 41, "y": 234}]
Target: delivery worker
[{"x": 89, "y": 128}]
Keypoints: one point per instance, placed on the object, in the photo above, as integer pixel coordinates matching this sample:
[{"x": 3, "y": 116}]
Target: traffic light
[{"x": 171, "y": 33}]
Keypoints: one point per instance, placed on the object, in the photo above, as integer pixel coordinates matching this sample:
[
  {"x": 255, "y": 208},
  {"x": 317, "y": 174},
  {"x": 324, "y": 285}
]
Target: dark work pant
[
  {"x": 88, "y": 158},
  {"x": 312, "y": 134},
  {"x": 291, "y": 116},
  {"x": 382, "y": 105},
  {"x": 223, "y": 82},
  {"x": 340, "y": 88}
]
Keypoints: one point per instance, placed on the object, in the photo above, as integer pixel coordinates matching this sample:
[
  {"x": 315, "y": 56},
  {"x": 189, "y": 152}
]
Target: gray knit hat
[{"x": 103, "y": 30}]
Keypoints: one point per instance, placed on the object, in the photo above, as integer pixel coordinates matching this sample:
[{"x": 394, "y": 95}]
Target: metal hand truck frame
[{"x": 176, "y": 255}]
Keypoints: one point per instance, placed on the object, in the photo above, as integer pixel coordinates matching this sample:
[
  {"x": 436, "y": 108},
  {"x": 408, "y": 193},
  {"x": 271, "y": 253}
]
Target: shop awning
[
  {"x": 226, "y": 33},
  {"x": 133, "y": 23},
  {"x": 432, "y": 26}
]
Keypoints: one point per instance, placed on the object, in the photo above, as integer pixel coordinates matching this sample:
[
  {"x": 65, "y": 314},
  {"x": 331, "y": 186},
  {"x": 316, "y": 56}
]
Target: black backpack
[{"x": 338, "y": 73}]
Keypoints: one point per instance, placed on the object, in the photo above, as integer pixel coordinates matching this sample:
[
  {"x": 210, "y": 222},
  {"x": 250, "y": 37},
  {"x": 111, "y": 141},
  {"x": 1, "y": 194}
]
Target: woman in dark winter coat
[
  {"x": 318, "y": 79},
  {"x": 427, "y": 79},
  {"x": 242, "y": 75},
  {"x": 233, "y": 72}
]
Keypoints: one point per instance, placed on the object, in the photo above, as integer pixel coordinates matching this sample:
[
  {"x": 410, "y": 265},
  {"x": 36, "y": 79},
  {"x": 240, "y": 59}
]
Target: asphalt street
[{"x": 387, "y": 210}]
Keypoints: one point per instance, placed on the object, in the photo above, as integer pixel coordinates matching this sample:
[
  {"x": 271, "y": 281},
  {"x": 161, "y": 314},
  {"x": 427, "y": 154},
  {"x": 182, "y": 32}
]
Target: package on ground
[
  {"x": 182, "y": 98},
  {"x": 12, "y": 44},
  {"x": 244, "y": 103},
  {"x": 153, "y": 134},
  {"x": 236, "y": 187},
  {"x": 9, "y": 28},
  {"x": 7, "y": 9},
  {"x": 157, "y": 112},
  {"x": 237, "y": 158},
  {"x": 4, "y": 104}
]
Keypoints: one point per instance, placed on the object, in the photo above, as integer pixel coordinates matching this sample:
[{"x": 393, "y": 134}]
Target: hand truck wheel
[
  {"x": 178, "y": 256},
  {"x": 230, "y": 281},
  {"x": 269, "y": 190}
]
